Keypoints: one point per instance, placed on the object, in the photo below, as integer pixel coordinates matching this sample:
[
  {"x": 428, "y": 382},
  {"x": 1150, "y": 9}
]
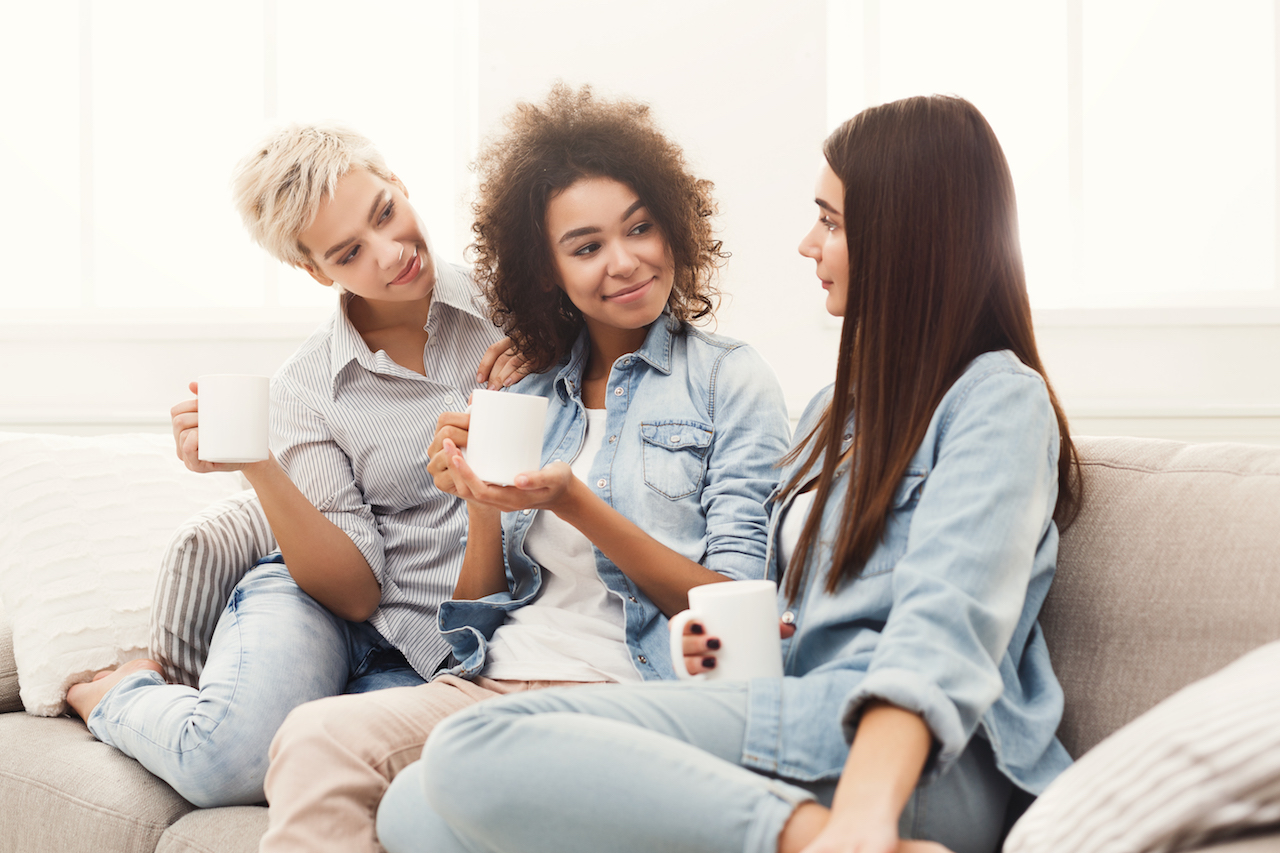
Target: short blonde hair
[{"x": 278, "y": 188}]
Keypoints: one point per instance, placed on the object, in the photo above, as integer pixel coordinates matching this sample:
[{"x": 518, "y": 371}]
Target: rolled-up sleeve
[
  {"x": 751, "y": 435},
  {"x": 959, "y": 589},
  {"x": 313, "y": 459}
]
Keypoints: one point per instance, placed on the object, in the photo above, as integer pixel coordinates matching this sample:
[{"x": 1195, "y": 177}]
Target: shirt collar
[
  {"x": 453, "y": 288},
  {"x": 656, "y": 350}
]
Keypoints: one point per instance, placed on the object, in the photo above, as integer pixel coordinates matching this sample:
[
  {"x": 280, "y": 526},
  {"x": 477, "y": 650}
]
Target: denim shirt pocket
[
  {"x": 674, "y": 456},
  {"x": 897, "y": 523}
]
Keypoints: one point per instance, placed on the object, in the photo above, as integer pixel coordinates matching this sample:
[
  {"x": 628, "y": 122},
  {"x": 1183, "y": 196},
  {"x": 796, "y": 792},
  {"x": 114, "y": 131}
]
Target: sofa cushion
[
  {"x": 84, "y": 523},
  {"x": 1203, "y": 764},
  {"x": 206, "y": 558},
  {"x": 76, "y": 795},
  {"x": 232, "y": 829},
  {"x": 9, "y": 699},
  {"x": 1170, "y": 572}
]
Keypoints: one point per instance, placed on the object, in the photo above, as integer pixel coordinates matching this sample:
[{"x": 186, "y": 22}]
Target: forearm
[
  {"x": 483, "y": 571},
  {"x": 884, "y": 765},
  {"x": 662, "y": 574},
  {"x": 320, "y": 556}
]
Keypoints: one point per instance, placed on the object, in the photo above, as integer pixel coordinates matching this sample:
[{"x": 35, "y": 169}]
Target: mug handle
[{"x": 676, "y": 627}]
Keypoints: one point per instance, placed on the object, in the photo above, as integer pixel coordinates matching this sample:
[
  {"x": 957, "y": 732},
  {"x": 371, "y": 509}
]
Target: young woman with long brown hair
[{"x": 915, "y": 532}]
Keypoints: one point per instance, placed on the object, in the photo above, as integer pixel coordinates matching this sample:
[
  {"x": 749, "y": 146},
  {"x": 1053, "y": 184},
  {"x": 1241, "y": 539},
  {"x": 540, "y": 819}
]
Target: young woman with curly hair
[
  {"x": 915, "y": 530},
  {"x": 594, "y": 246}
]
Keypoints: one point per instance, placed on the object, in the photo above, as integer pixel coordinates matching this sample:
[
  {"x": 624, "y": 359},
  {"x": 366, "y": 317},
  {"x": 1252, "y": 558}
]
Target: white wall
[{"x": 745, "y": 93}]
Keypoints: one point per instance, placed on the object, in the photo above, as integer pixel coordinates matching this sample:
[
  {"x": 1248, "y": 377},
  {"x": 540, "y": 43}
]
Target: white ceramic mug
[
  {"x": 233, "y": 417},
  {"x": 505, "y": 436},
  {"x": 744, "y": 616}
]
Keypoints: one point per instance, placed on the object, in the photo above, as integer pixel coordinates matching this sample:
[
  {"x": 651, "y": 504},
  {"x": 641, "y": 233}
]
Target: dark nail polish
[
  {"x": 713, "y": 644},
  {"x": 695, "y": 628},
  {"x": 709, "y": 663}
]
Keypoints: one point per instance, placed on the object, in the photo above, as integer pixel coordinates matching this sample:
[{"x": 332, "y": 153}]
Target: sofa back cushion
[
  {"x": 9, "y": 699},
  {"x": 1170, "y": 572},
  {"x": 83, "y": 524}
]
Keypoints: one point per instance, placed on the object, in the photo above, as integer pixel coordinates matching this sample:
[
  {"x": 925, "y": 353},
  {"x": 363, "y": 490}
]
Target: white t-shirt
[
  {"x": 573, "y": 630},
  {"x": 792, "y": 525}
]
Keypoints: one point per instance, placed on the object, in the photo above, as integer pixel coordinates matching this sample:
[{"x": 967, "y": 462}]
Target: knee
[
  {"x": 401, "y": 808},
  {"x": 321, "y": 726},
  {"x": 217, "y": 779},
  {"x": 455, "y": 773}
]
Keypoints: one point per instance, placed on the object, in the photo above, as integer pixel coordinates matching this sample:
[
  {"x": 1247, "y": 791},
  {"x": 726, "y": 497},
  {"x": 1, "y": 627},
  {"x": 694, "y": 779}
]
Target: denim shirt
[
  {"x": 942, "y": 620},
  {"x": 695, "y": 425}
]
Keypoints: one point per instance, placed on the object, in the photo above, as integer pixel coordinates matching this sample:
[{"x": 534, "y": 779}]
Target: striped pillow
[
  {"x": 206, "y": 558},
  {"x": 1202, "y": 765}
]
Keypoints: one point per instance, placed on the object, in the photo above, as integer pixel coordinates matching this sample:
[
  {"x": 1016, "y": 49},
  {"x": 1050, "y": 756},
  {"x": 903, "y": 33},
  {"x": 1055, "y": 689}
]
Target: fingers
[
  {"x": 456, "y": 435},
  {"x": 485, "y": 369},
  {"x": 554, "y": 477},
  {"x": 185, "y": 420},
  {"x": 698, "y": 648},
  {"x": 510, "y": 369}
]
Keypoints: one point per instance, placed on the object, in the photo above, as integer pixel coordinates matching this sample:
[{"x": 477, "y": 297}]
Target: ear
[{"x": 317, "y": 275}]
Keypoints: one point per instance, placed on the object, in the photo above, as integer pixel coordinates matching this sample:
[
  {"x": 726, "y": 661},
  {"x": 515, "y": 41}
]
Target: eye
[
  {"x": 587, "y": 250},
  {"x": 387, "y": 212},
  {"x": 828, "y": 223},
  {"x": 349, "y": 256},
  {"x": 642, "y": 228}
]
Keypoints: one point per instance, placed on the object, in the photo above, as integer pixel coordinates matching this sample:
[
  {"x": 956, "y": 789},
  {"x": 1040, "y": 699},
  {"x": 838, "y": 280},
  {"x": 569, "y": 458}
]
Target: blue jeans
[
  {"x": 275, "y": 647},
  {"x": 637, "y": 768}
]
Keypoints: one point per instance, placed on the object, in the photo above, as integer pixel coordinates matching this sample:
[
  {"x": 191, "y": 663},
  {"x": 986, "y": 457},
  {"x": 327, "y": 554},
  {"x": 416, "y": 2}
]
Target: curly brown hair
[{"x": 546, "y": 149}]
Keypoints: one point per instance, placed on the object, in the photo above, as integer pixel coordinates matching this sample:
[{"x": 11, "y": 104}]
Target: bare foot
[{"x": 84, "y": 697}]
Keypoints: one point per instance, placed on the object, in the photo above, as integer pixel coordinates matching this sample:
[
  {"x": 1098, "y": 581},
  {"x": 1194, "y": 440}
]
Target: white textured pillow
[
  {"x": 1202, "y": 765},
  {"x": 83, "y": 524},
  {"x": 206, "y": 558}
]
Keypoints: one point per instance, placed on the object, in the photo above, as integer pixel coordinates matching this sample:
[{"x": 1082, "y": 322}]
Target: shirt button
[
  {"x": 617, "y": 392},
  {"x": 788, "y": 618},
  {"x": 448, "y": 401},
  {"x": 612, "y": 439},
  {"x": 526, "y": 511},
  {"x": 627, "y": 360},
  {"x": 632, "y": 599},
  {"x": 642, "y": 659},
  {"x": 602, "y": 482},
  {"x": 675, "y": 439}
]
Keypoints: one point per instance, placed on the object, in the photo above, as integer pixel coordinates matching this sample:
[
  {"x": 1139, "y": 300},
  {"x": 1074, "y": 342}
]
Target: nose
[
  {"x": 809, "y": 246},
  {"x": 622, "y": 261},
  {"x": 389, "y": 253}
]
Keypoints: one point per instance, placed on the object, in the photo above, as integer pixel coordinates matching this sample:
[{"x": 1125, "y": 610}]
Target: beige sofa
[{"x": 1171, "y": 572}]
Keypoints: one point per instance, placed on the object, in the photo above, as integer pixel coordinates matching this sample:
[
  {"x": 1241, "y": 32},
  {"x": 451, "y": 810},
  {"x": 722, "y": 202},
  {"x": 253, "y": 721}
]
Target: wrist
[
  {"x": 257, "y": 472},
  {"x": 572, "y": 505},
  {"x": 481, "y": 515}
]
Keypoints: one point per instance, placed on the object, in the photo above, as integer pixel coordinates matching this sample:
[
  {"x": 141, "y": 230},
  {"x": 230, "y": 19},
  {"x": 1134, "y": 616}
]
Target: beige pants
[{"x": 333, "y": 759}]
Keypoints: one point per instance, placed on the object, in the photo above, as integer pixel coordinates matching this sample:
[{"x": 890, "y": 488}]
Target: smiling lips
[
  {"x": 632, "y": 293},
  {"x": 411, "y": 270}
]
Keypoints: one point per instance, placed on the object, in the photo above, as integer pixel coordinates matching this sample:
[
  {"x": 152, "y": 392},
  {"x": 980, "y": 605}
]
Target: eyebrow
[
  {"x": 373, "y": 212},
  {"x": 595, "y": 229},
  {"x": 828, "y": 208}
]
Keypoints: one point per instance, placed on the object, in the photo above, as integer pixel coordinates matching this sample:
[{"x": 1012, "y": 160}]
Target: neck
[
  {"x": 369, "y": 315},
  {"x": 608, "y": 345}
]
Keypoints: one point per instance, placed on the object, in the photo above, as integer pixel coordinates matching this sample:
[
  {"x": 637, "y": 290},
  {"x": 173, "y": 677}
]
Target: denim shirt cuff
[{"x": 907, "y": 690}]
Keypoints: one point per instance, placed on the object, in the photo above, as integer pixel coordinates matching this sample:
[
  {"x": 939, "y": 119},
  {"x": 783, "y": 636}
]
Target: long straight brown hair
[{"x": 935, "y": 280}]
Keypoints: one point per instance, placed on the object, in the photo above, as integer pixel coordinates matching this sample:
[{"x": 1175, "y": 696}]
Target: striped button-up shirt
[{"x": 352, "y": 429}]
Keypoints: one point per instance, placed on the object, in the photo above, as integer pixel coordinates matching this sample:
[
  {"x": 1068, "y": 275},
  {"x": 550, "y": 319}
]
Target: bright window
[
  {"x": 1141, "y": 133},
  {"x": 121, "y": 133}
]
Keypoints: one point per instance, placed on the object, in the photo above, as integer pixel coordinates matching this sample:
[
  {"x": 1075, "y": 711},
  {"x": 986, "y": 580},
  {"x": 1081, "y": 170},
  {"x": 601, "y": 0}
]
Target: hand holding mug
[
  {"x": 232, "y": 430},
  {"x": 453, "y": 427},
  {"x": 700, "y": 648},
  {"x": 536, "y": 489},
  {"x": 739, "y": 639}
]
